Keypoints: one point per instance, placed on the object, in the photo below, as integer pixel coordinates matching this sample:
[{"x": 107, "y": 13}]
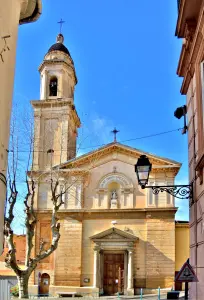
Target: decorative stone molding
[
  {"x": 115, "y": 177},
  {"x": 189, "y": 31},
  {"x": 159, "y": 163},
  {"x": 199, "y": 168},
  {"x": 116, "y": 235}
]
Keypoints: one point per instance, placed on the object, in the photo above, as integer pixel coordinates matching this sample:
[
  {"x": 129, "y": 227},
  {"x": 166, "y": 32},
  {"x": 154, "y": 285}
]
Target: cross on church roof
[
  {"x": 115, "y": 131},
  {"x": 61, "y": 23}
]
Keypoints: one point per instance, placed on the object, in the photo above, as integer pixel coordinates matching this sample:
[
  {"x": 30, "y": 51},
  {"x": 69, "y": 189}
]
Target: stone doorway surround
[{"x": 116, "y": 241}]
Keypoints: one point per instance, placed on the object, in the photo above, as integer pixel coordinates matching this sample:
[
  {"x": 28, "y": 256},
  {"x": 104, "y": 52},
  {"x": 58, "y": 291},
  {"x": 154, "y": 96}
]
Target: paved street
[{"x": 147, "y": 297}]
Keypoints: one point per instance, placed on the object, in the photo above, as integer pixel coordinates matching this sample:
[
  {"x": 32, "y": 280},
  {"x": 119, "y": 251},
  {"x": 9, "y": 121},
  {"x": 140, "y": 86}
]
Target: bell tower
[{"x": 55, "y": 117}]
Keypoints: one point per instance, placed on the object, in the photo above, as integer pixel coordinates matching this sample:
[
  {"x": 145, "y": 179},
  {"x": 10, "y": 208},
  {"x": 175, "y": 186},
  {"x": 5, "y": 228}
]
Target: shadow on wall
[{"x": 160, "y": 269}]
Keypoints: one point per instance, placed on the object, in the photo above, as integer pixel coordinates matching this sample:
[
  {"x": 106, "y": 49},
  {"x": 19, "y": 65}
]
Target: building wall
[
  {"x": 190, "y": 27},
  {"x": 68, "y": 255},
  {"x": 182, "y": 244},
  {"x": 197, "y": 209},
  {"x": 64, "y": 265},
  {"x": 11, "y": 12},
  {"x": 154, "y": 252},
  {"x": 160, "y": 251},
  {"x": 20, "y": 245},
  {"x": 9, "y": 19}
]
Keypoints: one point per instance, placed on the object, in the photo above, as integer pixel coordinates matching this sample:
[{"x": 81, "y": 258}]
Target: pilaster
[
  {"x": 96, "y": 267},
  {"x": 130, "y": 289}
]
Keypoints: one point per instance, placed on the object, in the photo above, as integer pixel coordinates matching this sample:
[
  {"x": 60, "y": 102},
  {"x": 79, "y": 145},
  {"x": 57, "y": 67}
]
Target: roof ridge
[{"x": 117, "y": 144}]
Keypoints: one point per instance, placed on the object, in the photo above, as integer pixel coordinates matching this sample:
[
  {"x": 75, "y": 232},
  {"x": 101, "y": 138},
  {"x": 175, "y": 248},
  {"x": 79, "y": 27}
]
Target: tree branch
[{"x": 30, "y": 221}]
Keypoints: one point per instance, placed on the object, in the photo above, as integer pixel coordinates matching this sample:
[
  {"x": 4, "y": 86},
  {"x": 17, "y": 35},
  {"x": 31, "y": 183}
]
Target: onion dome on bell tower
[{"x": 59, "y": 46}]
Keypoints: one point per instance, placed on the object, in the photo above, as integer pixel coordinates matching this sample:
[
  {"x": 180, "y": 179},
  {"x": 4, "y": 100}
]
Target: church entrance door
[
  {"x": 113, "y": 279},
  {"x": 44, "y": 284}
]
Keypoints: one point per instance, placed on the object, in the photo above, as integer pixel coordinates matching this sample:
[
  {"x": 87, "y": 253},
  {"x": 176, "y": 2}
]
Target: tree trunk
[{"x": 23, "y": 286}]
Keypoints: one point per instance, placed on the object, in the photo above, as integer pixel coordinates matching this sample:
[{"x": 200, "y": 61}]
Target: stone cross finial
[
  {"x": 115, "y": 131},
  {"x": 61, "y": 23}
]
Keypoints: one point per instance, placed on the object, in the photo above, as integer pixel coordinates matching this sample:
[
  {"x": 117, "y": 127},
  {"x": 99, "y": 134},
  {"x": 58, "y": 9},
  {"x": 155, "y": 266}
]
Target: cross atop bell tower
[{"x": 61, "y": 22}]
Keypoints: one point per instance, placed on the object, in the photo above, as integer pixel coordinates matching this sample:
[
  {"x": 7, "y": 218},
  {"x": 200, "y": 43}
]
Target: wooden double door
[{"x": 113, "y": 275}]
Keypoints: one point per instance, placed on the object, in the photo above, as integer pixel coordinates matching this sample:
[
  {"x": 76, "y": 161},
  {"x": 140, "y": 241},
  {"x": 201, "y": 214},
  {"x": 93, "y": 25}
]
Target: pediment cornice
[
  {"x": 96, "y": 158},
  {"x": 113, "y": 234}
]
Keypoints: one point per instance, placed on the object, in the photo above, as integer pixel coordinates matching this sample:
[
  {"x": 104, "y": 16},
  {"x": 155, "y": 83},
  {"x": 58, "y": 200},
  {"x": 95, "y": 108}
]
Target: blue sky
[{"x": 125, "y": 54}]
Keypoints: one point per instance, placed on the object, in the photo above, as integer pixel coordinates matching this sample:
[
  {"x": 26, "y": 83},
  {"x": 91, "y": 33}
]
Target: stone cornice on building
[
  {"x": 193, "y": 53},
  {"x": 159, "y": 164},
  {"x": 189, "y": 28},
  {"x": 112, "y": 233},
  {"x": 30, "y": 11},
  {"x": 187, "y": 10},
  {"x": 57, "y": 61},
  {"x": 182, "y": 224},
  {"x": 59, "y": 102},
  {"x": 139, "y": 213},
  {"x": 148, "y": 209}
]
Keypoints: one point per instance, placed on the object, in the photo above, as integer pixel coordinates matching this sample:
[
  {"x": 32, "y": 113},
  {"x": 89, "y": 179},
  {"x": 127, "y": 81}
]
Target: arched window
[{"x": 53, "y": 86}]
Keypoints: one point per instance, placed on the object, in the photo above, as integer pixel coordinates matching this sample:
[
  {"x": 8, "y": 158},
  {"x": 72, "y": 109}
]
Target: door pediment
[{"x": 115, "y": 235}]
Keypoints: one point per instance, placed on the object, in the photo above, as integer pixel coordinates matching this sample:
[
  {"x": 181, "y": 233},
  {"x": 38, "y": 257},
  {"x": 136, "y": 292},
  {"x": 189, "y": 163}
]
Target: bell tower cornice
[
  {"x": 47, "y": 63},
  {"x": 58, "y": 103}
]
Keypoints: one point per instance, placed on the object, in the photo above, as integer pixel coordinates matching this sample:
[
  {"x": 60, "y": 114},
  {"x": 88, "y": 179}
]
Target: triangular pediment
[
  {"x": 113, "y": 234},
  {"x": 94, "y": 157}
]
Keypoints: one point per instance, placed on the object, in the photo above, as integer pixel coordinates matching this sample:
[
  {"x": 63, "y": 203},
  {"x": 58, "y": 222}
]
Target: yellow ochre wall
[{"x": 182, "y": 244}]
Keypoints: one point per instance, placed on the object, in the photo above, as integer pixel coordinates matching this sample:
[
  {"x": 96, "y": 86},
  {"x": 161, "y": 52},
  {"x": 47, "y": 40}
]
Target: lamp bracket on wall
[{"x": 177, "y": 191}]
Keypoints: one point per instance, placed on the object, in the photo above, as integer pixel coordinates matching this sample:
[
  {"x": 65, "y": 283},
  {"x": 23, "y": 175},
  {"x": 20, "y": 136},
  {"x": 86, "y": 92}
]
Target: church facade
[{"x": 115, "y": 237}]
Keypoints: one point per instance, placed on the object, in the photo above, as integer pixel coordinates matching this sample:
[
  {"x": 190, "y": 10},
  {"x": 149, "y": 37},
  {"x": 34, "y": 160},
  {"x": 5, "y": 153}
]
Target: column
[
  {"x": 95, "y": 272},
  {"x": 125, "y": 270},
  {"x": 101, "y": 261},
  {"x": 130, "y": 269},
  {"x": 44, "y": 86}
]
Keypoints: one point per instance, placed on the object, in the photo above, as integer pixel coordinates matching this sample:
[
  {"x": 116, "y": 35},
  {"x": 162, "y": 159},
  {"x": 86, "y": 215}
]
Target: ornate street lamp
[{"x": 143, "y": 168}]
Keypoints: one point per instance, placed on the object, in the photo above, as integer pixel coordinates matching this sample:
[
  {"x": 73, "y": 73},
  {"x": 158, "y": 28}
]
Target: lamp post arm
[{"x": 177, "y": 191}]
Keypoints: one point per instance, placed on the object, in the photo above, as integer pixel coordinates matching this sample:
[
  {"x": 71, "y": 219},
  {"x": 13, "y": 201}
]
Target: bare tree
[
  {"x": 31, "y": 259},
  {"x": 53, "y": 177}
]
